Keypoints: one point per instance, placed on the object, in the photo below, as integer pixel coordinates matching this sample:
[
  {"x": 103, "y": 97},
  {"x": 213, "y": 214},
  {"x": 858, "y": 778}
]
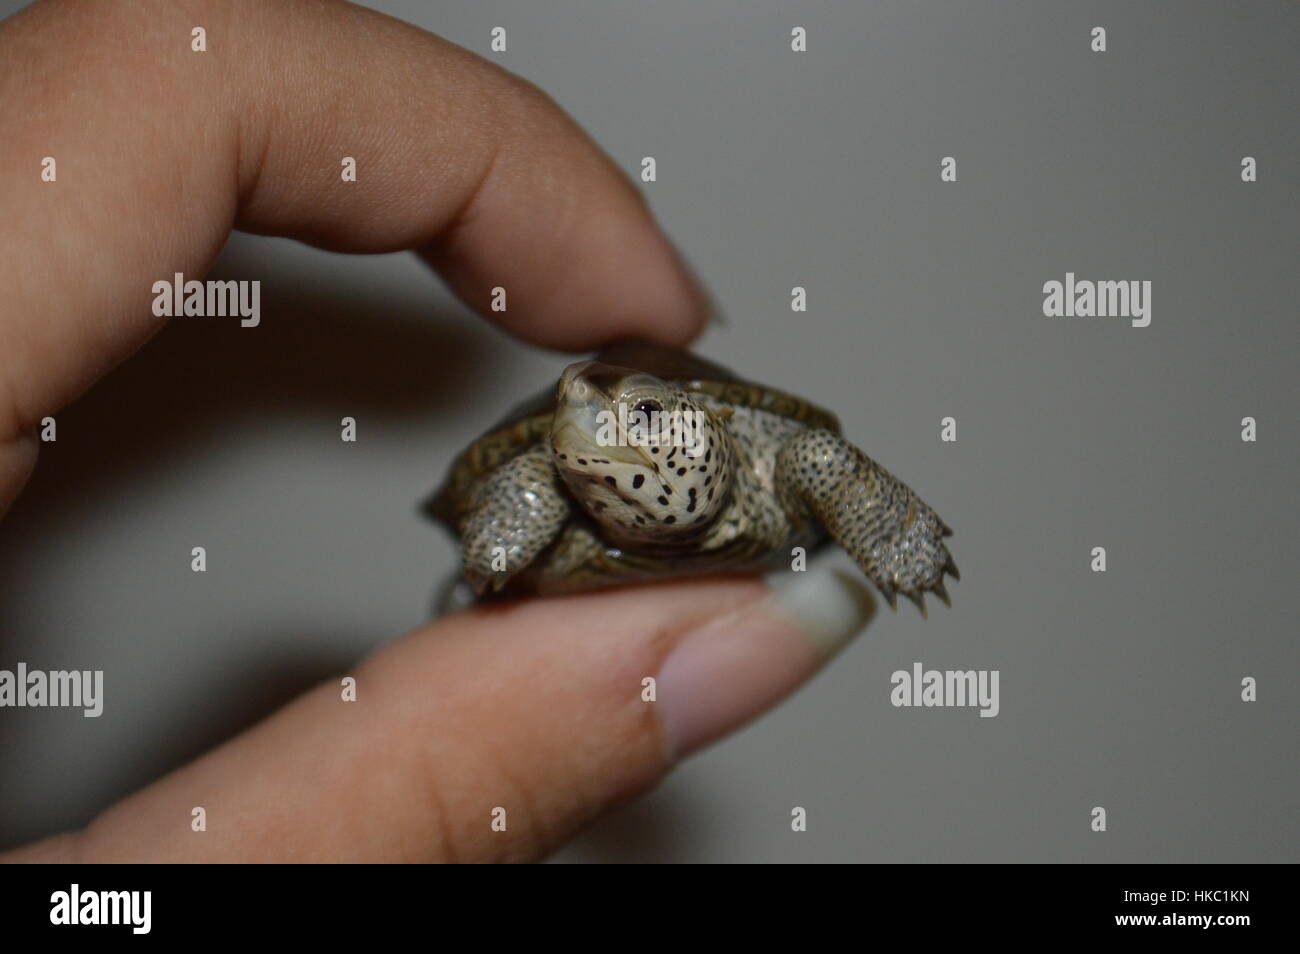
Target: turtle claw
[
  {"x": 951, "y": 568},
  {"x": 891, "y": 595},
  {"x": 916, "y": 594},
  {"x": 477, "y": 581},
  {"x": 918, "y": 597},
  {"x": 486, "y": 584}
]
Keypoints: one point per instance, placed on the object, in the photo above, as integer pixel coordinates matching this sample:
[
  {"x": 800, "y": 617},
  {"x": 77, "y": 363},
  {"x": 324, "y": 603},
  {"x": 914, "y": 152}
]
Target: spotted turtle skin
[{"x": 566, "y": 495}]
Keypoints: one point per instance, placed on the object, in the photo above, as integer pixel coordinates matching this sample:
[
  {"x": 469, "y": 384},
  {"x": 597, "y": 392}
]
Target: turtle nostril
[
  {"x": 572, "y": 376},
  {"x": 578, "y": 392}
]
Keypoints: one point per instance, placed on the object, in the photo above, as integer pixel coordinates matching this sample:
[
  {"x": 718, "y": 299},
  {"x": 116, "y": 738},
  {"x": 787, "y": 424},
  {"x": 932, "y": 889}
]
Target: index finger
[{"x": 162, "y": 149}]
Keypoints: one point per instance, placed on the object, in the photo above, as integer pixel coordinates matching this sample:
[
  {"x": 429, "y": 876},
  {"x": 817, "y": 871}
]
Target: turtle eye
[{"x": 647, "y": 407}]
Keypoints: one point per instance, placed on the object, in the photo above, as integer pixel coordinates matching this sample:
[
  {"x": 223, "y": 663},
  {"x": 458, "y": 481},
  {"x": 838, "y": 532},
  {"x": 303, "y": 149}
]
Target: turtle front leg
[
  {"x": 892, "y": 535},
  {"x": 515, "y": 514}
]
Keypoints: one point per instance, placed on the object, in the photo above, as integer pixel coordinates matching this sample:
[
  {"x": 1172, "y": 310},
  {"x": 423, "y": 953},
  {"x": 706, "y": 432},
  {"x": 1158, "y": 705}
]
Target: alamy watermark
[
  {"x": 212, "y": 299},
  {"x": 947, "y": 688},
  {"x": 639, "y": 427},
  {"x": 1083, "y": 298},
  {"x": 60, "y": 688},
  {"x": 75, "y": 906}
]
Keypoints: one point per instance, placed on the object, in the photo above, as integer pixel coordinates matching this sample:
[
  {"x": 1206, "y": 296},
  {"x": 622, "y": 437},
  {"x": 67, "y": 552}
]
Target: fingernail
[
  {"x": 708, "y": 301},
  {"x": 714, "y": 315},
  {"x": 734, "y": 667}
]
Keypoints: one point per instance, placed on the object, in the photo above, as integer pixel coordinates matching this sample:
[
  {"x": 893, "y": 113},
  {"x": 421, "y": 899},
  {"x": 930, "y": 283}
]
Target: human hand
[{"x": 538, "y": 708}]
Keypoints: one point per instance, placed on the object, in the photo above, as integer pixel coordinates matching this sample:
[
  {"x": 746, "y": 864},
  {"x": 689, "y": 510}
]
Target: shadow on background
[
  {"x": 197, "y": 385},
  {"x": 197, "y": 379}
]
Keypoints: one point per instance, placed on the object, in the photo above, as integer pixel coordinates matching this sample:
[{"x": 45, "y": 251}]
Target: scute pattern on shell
[
  {"x": 741, "y": 394},
  {"x": 480, "y": 459}
]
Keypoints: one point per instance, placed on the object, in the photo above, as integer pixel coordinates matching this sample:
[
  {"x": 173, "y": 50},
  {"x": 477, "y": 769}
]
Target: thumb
[{"x": 492, "y": 735}]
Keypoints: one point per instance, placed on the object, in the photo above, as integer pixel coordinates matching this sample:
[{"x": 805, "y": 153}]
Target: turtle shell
[{"x": 530, "y": 422}]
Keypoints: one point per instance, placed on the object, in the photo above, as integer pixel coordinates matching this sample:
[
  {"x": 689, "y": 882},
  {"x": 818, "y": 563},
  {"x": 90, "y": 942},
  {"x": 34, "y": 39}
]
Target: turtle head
[{"x": 646, "y": 460}]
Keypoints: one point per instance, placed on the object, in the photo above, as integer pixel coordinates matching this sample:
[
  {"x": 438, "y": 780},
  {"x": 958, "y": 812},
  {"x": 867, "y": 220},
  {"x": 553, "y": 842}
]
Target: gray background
[{"x": 775, "y": 169}]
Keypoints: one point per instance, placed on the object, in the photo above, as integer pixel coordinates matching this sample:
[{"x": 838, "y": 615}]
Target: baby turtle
[{"x": 650, "y": 462}]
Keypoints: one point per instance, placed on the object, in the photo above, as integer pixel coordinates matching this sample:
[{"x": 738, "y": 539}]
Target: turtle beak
[{"x": 578, "y": 407}]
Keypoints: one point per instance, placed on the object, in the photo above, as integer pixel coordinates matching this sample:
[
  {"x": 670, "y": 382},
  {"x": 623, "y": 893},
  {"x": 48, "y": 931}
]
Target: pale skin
[{"x": 161, "y": 151}]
